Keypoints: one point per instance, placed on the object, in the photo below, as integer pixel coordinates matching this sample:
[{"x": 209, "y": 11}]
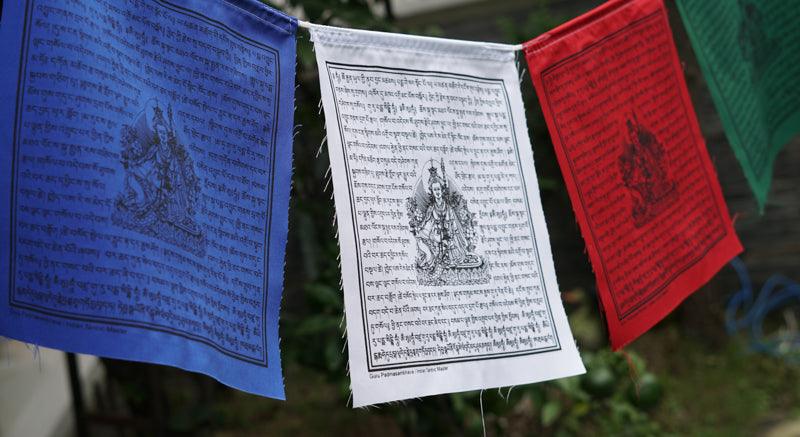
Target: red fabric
[{"x": 642, "y": 185}]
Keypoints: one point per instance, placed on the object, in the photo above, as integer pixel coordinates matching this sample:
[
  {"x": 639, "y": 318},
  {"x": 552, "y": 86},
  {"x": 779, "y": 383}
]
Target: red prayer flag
[{"x": 642, "y": 185}]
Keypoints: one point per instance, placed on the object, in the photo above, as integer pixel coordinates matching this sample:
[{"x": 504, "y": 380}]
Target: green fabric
[{"x": 749, "y": 51}]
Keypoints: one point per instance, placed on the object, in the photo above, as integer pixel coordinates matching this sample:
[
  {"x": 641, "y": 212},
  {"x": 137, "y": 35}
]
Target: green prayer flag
[{"x": 749, "y": 51}]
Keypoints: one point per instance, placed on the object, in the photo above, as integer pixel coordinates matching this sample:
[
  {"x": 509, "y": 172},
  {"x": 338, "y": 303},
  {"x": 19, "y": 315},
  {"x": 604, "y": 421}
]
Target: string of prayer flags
[
  {"x": 146, "y": 159},
  {"x": 448, "y": 278},
  {"x": 748, "y": 52},
  {"x": 635, "y": 164}
]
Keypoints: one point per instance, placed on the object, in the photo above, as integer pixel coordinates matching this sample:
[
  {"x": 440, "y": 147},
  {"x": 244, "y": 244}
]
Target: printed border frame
[
  {"x": 420, "y": 363},
  {"x": 22, "y": 76},
  {"x": 646, "y": 300}
]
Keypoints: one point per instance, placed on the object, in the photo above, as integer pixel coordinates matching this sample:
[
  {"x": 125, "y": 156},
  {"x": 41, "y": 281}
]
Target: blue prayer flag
[{"x": 145, "y": 168}]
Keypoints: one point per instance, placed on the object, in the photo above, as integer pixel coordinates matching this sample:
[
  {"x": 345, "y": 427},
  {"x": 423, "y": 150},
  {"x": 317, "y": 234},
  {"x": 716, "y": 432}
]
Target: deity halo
[{"x": 422, "y": 191}]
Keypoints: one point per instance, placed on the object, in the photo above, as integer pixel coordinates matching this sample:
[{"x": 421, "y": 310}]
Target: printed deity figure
[
  {"x": 161, "y": 189},
  {"x": 757, "y": 48},
  {"x": 644, "y": 165},
  {"x": 144, "y": 147},
  {"x": 441, "y": 238},
  {"x": 444, "y": 231}
]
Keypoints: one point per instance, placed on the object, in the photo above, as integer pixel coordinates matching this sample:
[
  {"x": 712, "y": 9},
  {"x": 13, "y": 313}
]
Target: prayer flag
[
  {"x": 748, "y": 51},
  {"x": 146, "y": 167},
  {"x": 638, "y": 174},
  {"x": 448, "y": 278}
]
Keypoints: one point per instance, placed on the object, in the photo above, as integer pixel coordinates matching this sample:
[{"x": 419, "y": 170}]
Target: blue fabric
[{"x": 144, "y": 176}]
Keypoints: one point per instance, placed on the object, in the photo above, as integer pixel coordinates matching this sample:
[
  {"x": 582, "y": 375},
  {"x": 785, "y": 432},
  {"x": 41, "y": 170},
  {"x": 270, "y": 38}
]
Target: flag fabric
[
  {"x": 748, "y": 52},
  {"x": 448, "y": 278},
  {"x": 641, "y": 183},
  {"x": 146, "y": 168}
]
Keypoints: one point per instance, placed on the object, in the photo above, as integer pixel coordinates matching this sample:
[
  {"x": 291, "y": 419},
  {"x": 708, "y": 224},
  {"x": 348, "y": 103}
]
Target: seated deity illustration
[
  {"x": 757, "y": 48},
  {"x": 161, "y": 189},
  {"x": 644, "y": 166},
  {"x": 444, "y": 230}
]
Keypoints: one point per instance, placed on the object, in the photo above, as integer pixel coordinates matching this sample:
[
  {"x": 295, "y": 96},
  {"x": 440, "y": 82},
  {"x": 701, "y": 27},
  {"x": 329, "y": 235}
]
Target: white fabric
[{"x": 448, "y": 276}]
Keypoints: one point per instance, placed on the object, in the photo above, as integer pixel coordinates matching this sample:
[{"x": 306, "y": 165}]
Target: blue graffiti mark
[{"x": 777, "y": 292}]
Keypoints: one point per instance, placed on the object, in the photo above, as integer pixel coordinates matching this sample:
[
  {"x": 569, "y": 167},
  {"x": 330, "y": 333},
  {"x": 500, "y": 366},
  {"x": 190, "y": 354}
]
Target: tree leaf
[{"x": 550, "y": 412}]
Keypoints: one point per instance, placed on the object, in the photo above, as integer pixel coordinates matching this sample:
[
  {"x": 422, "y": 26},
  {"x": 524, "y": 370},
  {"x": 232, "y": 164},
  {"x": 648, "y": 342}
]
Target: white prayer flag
[{"x": 448, "y": 276}]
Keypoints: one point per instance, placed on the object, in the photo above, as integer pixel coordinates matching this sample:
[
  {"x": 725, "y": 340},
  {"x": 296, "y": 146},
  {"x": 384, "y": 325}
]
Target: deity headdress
[
  {"x": 158, "y": 117},
  {"x": 435, "y": 178}
]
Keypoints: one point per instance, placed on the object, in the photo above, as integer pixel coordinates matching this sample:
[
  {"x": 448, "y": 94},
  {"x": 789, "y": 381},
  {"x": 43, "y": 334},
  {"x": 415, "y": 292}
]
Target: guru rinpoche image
[
  {"x": 444, "y": 230},
  {"x": 161, "y": 189}
]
